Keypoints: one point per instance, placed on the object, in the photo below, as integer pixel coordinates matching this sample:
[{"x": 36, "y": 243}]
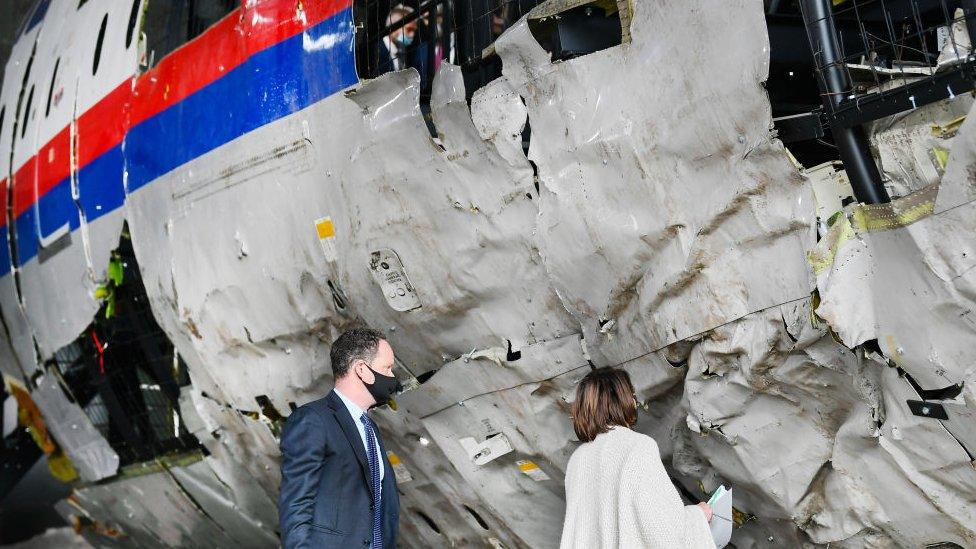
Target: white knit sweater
[{"x": 619, "y": 495}]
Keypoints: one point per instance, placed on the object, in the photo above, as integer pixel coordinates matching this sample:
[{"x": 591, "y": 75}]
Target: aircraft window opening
[
  {"x": 27, "y": 109},
  {"x": 81, "y": 3},
  {"x": 98, "y": 44},
  {"x": 131, "y": 27},
  {"x": 430, "y": 522},
  {"x": 50, "y": 91},
  {"x": 124, "y": 371},
  {"x": 3, "y": 114},
  {"x": 477, "y": 517}
]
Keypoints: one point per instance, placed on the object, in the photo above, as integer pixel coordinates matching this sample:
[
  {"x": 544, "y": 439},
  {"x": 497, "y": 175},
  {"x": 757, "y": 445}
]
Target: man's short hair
[{"x": 353, "y": 345}]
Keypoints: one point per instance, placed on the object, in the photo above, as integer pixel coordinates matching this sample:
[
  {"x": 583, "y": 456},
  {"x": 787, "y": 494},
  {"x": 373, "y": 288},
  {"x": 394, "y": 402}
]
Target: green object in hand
[{"x": 718, "y": 494}]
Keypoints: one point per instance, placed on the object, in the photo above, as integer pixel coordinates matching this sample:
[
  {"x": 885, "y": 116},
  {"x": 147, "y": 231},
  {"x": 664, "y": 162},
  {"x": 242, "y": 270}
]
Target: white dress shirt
[{"x": 356, "y": 412}]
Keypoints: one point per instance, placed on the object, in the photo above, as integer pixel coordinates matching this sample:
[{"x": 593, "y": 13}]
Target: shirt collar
[{"x": 354, "y": 410}]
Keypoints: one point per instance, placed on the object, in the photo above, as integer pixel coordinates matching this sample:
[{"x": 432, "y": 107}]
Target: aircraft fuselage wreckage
[{"x": 763, "y": 211}]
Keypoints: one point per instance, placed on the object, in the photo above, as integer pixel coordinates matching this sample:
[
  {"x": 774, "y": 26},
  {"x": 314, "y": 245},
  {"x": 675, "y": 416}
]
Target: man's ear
[{"x": 364, "y": 372}]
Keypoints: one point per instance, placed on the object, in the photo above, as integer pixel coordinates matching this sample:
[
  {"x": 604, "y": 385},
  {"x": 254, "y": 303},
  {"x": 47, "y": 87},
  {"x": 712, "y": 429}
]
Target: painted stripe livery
[{"x": 258, "y": 64}]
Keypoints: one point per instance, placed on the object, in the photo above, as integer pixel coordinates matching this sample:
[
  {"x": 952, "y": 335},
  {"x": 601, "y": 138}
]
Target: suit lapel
[{"x": 352, "y": 435}]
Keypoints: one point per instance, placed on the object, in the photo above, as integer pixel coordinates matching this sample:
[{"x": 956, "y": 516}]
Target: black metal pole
[
  {"x": 969, "y": 12},
  {"x": 835, "y": 86}
]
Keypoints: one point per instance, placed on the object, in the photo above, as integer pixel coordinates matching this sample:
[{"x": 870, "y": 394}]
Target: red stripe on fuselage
[
  {"x": 3, "y": 201},
  {"x": 199, "y": 62},
  {"x": 49, "y": 166}
]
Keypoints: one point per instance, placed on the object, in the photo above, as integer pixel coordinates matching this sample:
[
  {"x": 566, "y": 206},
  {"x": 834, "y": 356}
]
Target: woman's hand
[{"x": 707, "y": 510}]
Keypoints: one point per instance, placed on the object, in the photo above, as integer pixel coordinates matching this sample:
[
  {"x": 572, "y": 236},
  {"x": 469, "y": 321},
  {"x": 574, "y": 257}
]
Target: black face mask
[{"x": 383, "y": 387}]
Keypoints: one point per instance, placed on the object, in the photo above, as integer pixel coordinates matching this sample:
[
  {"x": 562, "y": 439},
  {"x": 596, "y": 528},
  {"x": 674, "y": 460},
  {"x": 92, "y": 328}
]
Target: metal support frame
[
  {"x": 944, "y": 85},
  {"x": 969, "y": 12},
  {"x": 852, "y": 143},
  {"x": 799, "y": 127}
]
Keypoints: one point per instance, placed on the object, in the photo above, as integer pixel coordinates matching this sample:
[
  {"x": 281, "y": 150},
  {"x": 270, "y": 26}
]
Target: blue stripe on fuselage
[{"x": 268, "y": 86}]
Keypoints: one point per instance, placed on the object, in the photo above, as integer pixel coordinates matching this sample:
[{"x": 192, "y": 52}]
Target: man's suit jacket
[{"x": 326, "y": 495}]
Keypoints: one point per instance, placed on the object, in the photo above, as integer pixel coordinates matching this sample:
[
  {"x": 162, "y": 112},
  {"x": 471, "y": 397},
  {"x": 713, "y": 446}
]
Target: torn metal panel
[
  {"x": 831, "y": 189},
  {"x": 959, "y": 44},
  {"x": 9, "y": 421},
  {"x": 17, "y": 358},
  {"x": 480, "y": 222},
  {"x": 758, "y": 388},
  {"x": 230, "y": 250},
  {"x": 95, "y": 532},
  {"x": 169, "y": 516},
  {"x": 667, "y": 219},
  {"x": 58, "y": 311},
  {"x": 243, "y": 453},
  {"x": 914, "y": 481},
  {"x": 668, "y": 210},
  {"x": 901, "y": 274},
  {"x": 217, "y": 500},
  {"x": 961, "y": 423},
  {"x": 438, "y": 491},
  {"x": 460, "y": 216},
  {"x": 465, "y": 377},
  {"x": 224, "y": 222},
  {"x": 243, "y": 456},
  {"x": 843, "y": 275},
  {"x": 524, "y": 486},
  {"x": 89, "y": 452},
  {"x": 958, "y": 185},
  {"x": 242, "y": 320},
  {"x": 532, "y": 509},
  {"x": 766, "y": 405},
  {"x": 902, "y": 249},
  {"x": 500, "y": 115},
  {"x": 912, "y": 148}
]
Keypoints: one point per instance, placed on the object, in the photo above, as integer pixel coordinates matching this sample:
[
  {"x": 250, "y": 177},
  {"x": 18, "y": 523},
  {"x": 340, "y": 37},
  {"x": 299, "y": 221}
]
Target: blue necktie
[{"x": 374, "y": 475}]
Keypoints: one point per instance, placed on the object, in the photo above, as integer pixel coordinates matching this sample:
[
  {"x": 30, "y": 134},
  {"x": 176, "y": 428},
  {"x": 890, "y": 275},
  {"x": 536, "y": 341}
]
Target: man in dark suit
[{"x": 337, "y": 485}]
